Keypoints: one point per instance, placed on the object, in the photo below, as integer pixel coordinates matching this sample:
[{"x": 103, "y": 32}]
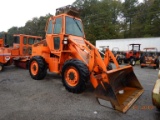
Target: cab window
[
  {"x": 56, "y": 43},
  {"x": 16, "y": 39},
  {"x": 58, "y": 26},
  {"x": 24, "y": 40},
  {"x": 37, "y": 40},
  {"x": 31, "y": 41},
  {"x": 49, "y": 30}
]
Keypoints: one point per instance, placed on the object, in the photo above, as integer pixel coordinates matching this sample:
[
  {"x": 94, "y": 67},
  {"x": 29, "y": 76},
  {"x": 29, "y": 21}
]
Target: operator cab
[
  {"x": 65, "y": 25},
  {"x": 135, "y": 48},
  {"x": 152, "y": 52}
]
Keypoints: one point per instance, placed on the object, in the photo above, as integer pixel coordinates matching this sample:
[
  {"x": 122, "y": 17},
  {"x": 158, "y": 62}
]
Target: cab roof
[
  {"x": 69, "y": 10},
  {"x": 150, "y": 48}
]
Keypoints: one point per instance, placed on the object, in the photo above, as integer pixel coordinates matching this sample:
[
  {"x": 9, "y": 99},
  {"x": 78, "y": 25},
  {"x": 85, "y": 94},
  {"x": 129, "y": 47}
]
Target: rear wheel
[
  {"x": 157, "y": 64},
  {"x": 132, "y": 62},
  {"x": 109, "y": 67},
  {"x": 37, "y": 68},
  {"x": 74, "y": 75},
  {"x": 1, "y": 67},
  {"x": 119, "y": 60}
]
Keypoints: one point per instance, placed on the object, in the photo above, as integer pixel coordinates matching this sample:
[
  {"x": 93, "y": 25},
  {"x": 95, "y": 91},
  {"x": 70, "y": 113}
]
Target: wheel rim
[
  {"x": 133, "y": 62},
  {"x": 72, "y": 76},
  {"x": 34, "y": 68},
  {"x": 120, "y": 61}
]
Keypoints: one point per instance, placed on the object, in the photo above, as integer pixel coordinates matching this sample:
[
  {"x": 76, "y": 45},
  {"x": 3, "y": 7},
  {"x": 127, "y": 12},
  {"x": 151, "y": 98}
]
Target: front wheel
[
  {"x": 142, "y": 61},
  {"x": 74, "y": 75},
  {"x": 132, "y": 62},
  {"x": 119, "y": 60},
  {"x": 37, "y": 68},
  {"x": 109, "y": 67}
]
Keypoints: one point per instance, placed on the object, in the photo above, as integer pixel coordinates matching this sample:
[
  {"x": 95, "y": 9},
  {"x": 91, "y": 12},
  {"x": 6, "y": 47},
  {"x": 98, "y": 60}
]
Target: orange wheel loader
[
  {"x": 66, "y": 51},
  {"x": 20, "y": 53}
]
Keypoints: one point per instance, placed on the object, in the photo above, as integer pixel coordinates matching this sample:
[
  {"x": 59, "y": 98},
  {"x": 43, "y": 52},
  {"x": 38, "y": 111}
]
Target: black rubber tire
[
  {"x": 119, "y": 60},
  {"x": 132, "y": 62},
  {"x": 42, "y": 68},
  {"x": 158, "y": 108},
  {"x": 1, "y": 67},
  {"x": 142, "y": 60},
  {"x": 83, "y": 75},
  {"x": 157, "y": 64},
  {"x": 27, "y": 64},
  {"x": 109, "y": 67}
]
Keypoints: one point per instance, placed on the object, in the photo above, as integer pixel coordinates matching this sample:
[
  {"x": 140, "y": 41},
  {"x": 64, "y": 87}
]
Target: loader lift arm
[{"x": 109, "y": 84}]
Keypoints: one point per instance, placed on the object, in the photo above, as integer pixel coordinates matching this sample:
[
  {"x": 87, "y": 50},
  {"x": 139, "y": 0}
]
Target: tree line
[
  {"x": 36, "y": 27},
  {"x": 107, "y": 19}
]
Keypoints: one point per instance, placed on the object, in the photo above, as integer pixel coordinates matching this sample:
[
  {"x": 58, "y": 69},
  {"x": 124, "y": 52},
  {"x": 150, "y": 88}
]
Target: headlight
[
  {"x": 65, "y": 41},
  {"x": 65, "y": 38}
]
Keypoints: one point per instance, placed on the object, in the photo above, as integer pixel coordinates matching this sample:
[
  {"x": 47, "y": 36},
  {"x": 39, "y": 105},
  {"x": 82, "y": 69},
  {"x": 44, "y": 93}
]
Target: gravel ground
[{"x": 22, "y": 98}]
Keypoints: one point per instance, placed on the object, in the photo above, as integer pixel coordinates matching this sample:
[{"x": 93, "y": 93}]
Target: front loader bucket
[{"x": 122, "y": 91}]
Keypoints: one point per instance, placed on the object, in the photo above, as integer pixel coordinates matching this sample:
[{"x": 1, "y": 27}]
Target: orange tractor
[
  {"x": 150, "y": 58},
  {"x": 66, "y": 51},
  {"x": 132, "y": 55},
  {"x": 20, "y": 52}
]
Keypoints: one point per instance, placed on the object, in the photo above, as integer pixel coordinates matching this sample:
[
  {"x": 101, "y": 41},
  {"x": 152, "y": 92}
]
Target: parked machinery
[
  {"x": 156, "y": 93},
  {"x": 132, "y": 55},
  {"x": 115, "y": 52},
  {"x": 20, "y": 52},
  {"x": 150, "y": 58},
  {"x": 66, "y": 51},
  {"x": 117, "y": 55}
]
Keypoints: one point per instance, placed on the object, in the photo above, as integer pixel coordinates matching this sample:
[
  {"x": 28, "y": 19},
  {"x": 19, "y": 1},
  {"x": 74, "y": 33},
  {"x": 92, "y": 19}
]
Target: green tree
[
  {"x": 100, "y": 18},
  {"x": 153, "y": 19},
  {"x": 36, "y": 27},
  {"x": 129, "y": 11}
]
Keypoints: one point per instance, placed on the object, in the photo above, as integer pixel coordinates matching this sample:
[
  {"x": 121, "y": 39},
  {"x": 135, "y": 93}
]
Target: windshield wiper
[{"x": 77, "y": 25}]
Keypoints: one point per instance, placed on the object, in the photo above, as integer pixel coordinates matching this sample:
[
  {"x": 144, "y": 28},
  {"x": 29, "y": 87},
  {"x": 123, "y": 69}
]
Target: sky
[{"x": 18, "y": 12}]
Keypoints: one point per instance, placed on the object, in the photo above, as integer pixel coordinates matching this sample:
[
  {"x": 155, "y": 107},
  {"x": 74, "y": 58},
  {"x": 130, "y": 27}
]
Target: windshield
[{"x": 74, "y": 27}]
